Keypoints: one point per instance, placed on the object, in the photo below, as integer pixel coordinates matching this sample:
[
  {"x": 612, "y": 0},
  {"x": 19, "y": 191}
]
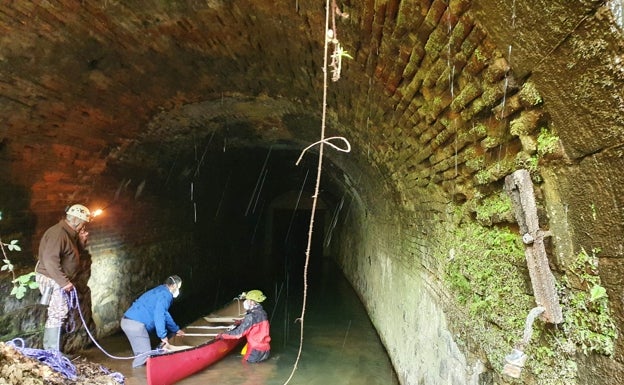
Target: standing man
[
  {"x": 59, "y": 261},
  {"x": 150, "y": 314},
  {"x": 255, "y": 326}
]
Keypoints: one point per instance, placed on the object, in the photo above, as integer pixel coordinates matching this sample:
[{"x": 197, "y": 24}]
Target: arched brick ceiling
[
  {"x": 440, "y": 93},
  {"x": 434, "y": 94},
  {"x": 444, "y": 95},
  {"x": 80, "y": 80}
]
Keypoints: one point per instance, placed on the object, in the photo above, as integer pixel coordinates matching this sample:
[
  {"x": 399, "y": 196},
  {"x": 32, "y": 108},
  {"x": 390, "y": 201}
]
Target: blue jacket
[{"x": 152, "y": 309}]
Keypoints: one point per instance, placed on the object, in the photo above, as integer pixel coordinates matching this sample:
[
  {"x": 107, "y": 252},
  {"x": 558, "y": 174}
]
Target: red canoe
[{"x": 169, "y": 368}]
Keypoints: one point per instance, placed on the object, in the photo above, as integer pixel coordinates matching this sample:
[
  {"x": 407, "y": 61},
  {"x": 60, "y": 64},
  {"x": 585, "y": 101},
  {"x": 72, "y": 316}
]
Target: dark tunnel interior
[{"x": 245, "y": 213}]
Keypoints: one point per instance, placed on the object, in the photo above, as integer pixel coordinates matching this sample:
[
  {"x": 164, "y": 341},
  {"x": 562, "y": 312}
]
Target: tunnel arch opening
[{"x": 238, "y": 204}]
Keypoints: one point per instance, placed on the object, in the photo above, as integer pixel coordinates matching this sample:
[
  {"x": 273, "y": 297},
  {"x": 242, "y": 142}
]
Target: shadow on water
[{"x": 340, "y": 345}]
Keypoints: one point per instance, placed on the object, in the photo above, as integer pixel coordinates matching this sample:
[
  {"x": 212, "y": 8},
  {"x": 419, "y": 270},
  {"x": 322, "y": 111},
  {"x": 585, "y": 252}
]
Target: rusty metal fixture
[{"x": 520, "y": 189}]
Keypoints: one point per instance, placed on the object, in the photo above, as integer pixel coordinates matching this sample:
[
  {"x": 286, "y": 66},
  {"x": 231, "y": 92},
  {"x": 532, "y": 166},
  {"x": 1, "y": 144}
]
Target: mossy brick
[
  {"x": 466, "y": 95},
  {"x": 437, "y": 41},
  {"x": 434, "y": 72},
  {"x": 460, "y": 32},
  {"x": 526, "y": 123}
]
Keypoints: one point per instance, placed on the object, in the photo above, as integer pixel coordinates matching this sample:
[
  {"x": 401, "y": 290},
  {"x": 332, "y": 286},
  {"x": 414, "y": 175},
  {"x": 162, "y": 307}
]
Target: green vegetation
[
  {"x": 483, "y": 177},
  {"x": 523, "y": 125},
  {"x": 587, "y": 327},
  {"x": 490, "y": 142},
  {"x": 479, "y": 130},
  {"x": 21, "y": 283},
  {"x": 530, "y": 163},
  {"x": 552, "y": 359},
  {"x": 588, "y": 319},
  {"x": 484, "y": 274},
  {"x": 477, "y": 105},
  {"x": 487, "y": 273},
  {"x": 530, "y": 95},
  {"x": 475, "y": 162},
  {"x": 468, "y": 93},
  {"x": 495, "y": 171},
  {"x": 547, "y": 142},
  {"x": 494, "y": 207}
]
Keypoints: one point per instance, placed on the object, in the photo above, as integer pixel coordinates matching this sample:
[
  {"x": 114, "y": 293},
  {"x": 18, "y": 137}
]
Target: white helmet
[{"x": 80, "y": 212}]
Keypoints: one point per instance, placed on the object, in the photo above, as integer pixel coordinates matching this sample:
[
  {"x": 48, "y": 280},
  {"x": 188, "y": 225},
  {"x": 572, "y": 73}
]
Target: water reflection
[{"x": 340, "y": 345}]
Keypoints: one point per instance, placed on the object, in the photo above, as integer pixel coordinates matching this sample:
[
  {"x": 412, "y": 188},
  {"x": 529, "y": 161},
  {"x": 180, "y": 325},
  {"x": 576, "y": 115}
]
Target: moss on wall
[{"x": 485, "y": 269}]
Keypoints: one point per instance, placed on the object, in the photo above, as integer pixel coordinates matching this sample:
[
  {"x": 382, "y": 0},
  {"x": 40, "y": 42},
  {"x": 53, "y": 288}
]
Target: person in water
[
  {"x": 150, "y": 314},
  {"x": 255, "y": 327}
]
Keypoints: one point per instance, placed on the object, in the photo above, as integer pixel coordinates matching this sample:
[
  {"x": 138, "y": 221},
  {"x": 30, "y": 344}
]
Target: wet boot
[{"x": 51, "y": 338}]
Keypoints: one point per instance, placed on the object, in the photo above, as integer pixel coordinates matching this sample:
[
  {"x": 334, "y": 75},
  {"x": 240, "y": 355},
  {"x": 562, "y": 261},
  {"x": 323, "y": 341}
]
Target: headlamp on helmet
[{"x": 80, "y": 212}]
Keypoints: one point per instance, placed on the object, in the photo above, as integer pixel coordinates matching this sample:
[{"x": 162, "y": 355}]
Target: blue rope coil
[
  {"x": 61, "y": 364},
  {"x": 57, "y": 361},
  {"x": 53, "y": 358}
]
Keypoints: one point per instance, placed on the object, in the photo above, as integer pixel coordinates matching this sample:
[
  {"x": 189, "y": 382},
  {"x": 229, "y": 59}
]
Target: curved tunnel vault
[
  {"x": 165, "y": 113},
  {"x": 240, "y": 199}
]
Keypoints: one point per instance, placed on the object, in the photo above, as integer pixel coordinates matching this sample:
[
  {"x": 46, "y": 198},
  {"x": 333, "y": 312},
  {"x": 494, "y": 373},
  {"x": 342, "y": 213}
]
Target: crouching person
[
  {"x": 255, "y": 327},
  {"x": 150, "y": 314}
]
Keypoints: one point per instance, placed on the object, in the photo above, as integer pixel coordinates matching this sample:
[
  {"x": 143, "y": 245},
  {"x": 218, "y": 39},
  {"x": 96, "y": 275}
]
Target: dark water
[{"x": 340, "y": 345}]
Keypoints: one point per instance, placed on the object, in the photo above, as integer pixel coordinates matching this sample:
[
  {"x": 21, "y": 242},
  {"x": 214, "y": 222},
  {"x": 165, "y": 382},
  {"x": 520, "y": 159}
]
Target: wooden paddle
[
  {"x": 208, "y": 327},
  {"x": 200, "y": 334}
]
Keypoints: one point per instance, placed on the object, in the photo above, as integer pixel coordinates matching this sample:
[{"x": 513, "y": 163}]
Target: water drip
[{"x": 502, "y": 114}]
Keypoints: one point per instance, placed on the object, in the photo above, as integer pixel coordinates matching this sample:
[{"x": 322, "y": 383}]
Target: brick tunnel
[{"x": 185, "y": 121}]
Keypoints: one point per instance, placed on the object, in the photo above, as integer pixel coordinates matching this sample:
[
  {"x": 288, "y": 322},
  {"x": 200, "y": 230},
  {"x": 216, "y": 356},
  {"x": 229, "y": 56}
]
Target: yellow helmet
[{"x": 255, "y": 295}]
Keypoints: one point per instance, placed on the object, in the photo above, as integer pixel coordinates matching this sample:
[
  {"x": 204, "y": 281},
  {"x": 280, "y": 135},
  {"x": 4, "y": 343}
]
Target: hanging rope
[
  {"x": 329, "y": 37},
  {"x": 327, "y": 141}
]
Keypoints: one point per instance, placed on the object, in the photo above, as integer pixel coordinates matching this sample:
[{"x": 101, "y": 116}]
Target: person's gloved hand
[{"x": 180, "y": 333}]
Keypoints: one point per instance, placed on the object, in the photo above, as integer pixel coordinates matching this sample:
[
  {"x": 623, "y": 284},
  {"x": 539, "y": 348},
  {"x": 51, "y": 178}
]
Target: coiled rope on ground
[{"x": 61, "y": 364}]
